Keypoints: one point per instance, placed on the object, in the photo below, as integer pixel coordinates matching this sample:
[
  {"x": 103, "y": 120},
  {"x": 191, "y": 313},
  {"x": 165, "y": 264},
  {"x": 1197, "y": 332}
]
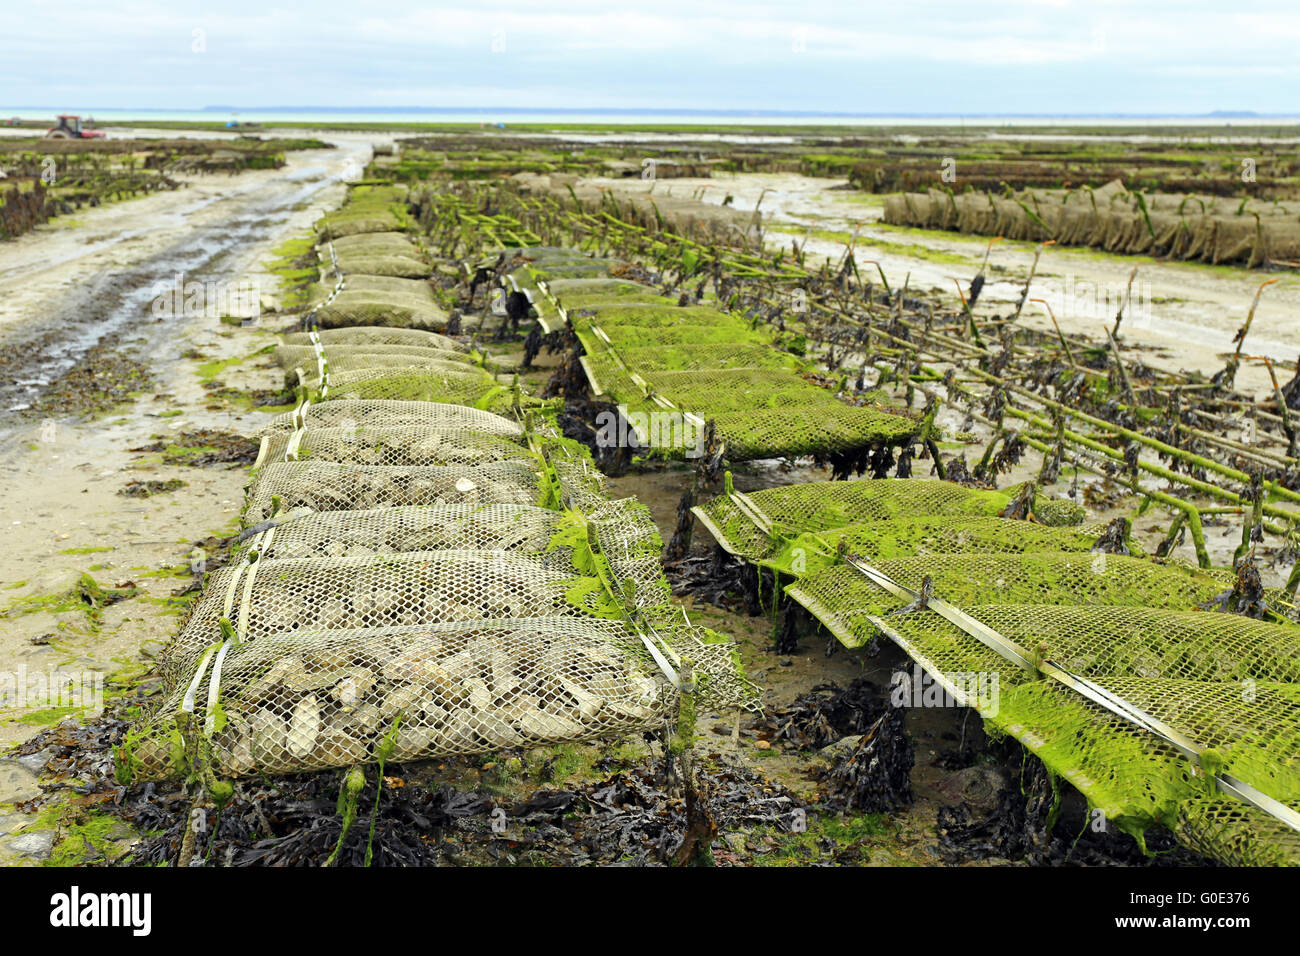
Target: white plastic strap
[
  {"x": 192, "y": 691},
  {"x": 214, "y": 692}
]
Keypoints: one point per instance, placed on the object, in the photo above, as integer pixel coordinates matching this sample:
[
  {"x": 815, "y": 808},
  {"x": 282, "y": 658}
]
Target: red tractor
[{"x": 70, "y": 128}]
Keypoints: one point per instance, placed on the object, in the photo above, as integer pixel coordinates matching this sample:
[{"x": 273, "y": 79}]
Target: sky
[{"x": 911, "y": 57}]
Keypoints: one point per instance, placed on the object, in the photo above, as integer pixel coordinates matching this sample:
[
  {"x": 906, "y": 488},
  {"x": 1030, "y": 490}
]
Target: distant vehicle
[{"x": 70, "y": 127}]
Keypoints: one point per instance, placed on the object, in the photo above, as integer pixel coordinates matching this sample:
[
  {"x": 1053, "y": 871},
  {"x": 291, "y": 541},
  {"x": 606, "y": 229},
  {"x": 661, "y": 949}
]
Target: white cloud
[{"x": 924, "y": 56}]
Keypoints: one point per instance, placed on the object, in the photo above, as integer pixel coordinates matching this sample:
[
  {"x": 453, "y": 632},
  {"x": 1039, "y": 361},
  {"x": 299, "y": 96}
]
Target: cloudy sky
[{"x": 949, "y": 57}]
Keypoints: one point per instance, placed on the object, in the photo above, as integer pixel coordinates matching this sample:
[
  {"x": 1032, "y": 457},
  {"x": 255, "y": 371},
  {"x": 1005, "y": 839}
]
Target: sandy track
[{"x": 64, "y": 289}]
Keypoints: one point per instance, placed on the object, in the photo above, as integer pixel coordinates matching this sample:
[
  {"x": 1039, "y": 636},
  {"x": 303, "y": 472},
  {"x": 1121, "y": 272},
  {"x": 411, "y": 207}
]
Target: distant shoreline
[
  {"x": 810, "y": 115},
  {"x": 775, "y": 122}
]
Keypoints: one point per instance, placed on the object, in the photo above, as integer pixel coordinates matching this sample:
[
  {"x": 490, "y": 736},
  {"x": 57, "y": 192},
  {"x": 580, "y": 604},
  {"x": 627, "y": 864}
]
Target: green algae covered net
[
  {"x": 750, "y": 524},
  {"x": 1223, "y": 685},
  {"x": 1226, "y": 683},
  {"x": 655, "y": 356},
  {"x": 401, "y": 445},
  {"x": 371, "y": 336},
  {"x": 379, "y": 254},
  {"x": 369, "y": 300},
  {"x": 1240, "y": 834},
  {"x": 368, "y": 209},
  {"x": 470, "y": 386},
  {"x": 927, "y": 534},
  {"x": 1053, "y": 578}
]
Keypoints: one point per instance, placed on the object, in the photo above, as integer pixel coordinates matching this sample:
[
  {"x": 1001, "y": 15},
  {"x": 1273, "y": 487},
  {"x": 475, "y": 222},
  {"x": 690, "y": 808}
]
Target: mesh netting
[
  {"x": 377, "y": 244},
  {"x": 317, "y": 376},
  {"x": 326, "y": 486},
  {"x": 665, "y": 315},
  {"x": 422, "y": 587},
  {"x": 703, "y": 356},
  {"x": 310, "y": 700},
  {"x": 391, "y": 414},
  {"x": 704, "y": 221},
  {"x": 908, "y": 536},
  {"x": 818, "y": 506},
  {"x": 1058, "y": 512},
  {"x": 1225, "y": 683},
  {"x": 467, "y": 385},
  {"x": 713, "y": 365},
  {"x": 372, "y": 300},
  {"x": 1221, "y": 681},
  {"x": 418, "y": 571},
  {"x": 1111, "y": 217},
  {"x": 1231, "y": 830},
  {"x": 403, "y": 445},
  {"x": 579, "y": 291},
  {"x": 964, "y": 579},
  {"x": 378, "y": 254},
  {"x": 344, "y": 355},
  {"x": 733, "y": 390},
  {"x": 368, "y": 209},
  {"x": 344, "y": 534},
  {"x": 1108, "y": 641},
  {"x": 376, "y": 265},
  {"x": 572, "y": 268},
  {"x": 771, "y": 433},
  {"x": 1227, "y": 686},
  {"x": 377, "y": 336},
  {"x": 635, "y": 336}
]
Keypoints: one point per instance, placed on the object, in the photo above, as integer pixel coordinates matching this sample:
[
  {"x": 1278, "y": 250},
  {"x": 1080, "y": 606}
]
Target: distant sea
[{"x": 306, "y": 116}]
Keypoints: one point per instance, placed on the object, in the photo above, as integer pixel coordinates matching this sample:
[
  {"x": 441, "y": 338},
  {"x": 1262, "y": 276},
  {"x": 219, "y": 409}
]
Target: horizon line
[{"x": 674, "y": 111}]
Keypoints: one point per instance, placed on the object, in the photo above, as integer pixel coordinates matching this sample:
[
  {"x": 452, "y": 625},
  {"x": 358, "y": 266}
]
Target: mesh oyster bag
[
  {"x": 1236, "y": 833},
  {"x": 1220, "y": 689},
  {"x": 652, "y": 356},
  {"x": 367, "y": 300},
  {"x": 401, "y": 445},
  {"x": 306, "y": 356},
  {"x": 1223, "y": 682},
  {"x": 447, "y": 385},
  {"x": 419, "y": 577},
  {"x": 379, "y": 254},
  {"x": 376, "y": 336},
  {"x": 389, "y": 413},
  {"x": 527, "y": 529},
  {"x": 318, "y": 376},
  {"x": 749, "y": 524},
  {"x": 840, "y": 591},
  {"x": 368, "y": 209},
  {"x": 316, "y": 699},
  {"x": 809, "y": 430},
  {"x": 576, "y": 670},
  {"x": 377, "y": 244},
  {"x": 259, "y": 596},
  {"x": 329, "y": 486},
  {"x": 906, "y": 537}
]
